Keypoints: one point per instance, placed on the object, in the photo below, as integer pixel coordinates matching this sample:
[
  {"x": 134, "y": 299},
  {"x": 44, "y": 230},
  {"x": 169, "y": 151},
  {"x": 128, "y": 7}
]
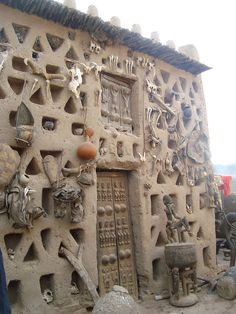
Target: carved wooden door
[{"x": 114, "y": 234}]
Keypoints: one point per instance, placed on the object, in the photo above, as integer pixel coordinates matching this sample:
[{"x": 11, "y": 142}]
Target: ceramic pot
[
  {"x": 87, "y": 151},
  {"x": 89, "y": 132}
]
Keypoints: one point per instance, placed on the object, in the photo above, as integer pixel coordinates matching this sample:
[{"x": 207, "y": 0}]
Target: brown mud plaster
[{"x": 148, "y": 114}]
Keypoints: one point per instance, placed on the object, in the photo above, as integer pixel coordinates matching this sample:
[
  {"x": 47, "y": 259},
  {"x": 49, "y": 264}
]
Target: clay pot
[
  {"x": 89, "y": 132},
  {"x": 87, "y": 151},
  {"x": 180, "y": 255}
]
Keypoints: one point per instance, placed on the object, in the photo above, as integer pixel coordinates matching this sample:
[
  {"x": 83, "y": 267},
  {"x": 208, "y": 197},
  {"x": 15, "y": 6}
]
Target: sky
[{"x": 211, "y": 26}]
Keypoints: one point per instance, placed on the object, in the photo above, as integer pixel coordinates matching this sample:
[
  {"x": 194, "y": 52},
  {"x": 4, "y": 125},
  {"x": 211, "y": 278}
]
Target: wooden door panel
[
  {"x": 115, "y": 245},
  {"x": 107, "y": 248},
  {"x": 127, "y": 273}
]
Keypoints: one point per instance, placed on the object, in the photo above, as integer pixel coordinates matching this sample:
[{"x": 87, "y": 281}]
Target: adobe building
[{"x": 72, "y": 87}]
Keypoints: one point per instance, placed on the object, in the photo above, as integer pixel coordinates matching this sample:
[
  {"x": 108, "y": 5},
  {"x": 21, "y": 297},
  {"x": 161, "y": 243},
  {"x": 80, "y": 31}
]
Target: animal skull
[
  {"x": 47, "y": 296},
  {"x": 151, "y": 88},
  {"x": 75, "y": 80},
  {"x": 97, "y": 68},
  {"x": 94, "y": 48},
  {"x": 142, "y": 62},
  {"x": 150, "y": 65}
]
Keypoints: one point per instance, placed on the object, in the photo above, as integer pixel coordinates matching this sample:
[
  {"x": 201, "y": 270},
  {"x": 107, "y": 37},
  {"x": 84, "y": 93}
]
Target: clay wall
[{"x": 147, "y": 141}]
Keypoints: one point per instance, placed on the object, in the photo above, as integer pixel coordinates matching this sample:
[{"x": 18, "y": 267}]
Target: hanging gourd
[
  {"x": 87, "y": 150},
  {"x": 89, "y": 132}
]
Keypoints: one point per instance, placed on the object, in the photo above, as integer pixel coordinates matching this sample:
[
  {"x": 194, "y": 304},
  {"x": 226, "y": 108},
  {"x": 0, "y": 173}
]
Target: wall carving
[{"x": 116, "y": 103}]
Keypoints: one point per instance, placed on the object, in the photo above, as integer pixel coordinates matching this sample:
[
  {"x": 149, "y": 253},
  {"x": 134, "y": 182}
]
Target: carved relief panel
[
  {"x": 115, "y": 245},
  {"x": 116, "y": 100}
]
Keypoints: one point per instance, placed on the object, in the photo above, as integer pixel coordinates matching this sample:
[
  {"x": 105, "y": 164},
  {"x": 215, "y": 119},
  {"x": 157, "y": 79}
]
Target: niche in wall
[
  {"x": 156, "y": 269},
  {"x": 14, "y": 292},
  {"x": 156, "y": 204}
]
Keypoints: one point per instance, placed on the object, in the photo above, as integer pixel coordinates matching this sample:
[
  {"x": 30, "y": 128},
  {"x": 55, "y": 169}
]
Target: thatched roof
[{"x": 58, "y": 13}]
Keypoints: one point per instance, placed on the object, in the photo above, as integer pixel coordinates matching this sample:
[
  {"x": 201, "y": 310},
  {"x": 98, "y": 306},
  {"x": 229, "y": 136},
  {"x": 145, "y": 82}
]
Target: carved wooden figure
[
  {"x": 181, "y": 260},
  {"x": 66, "y": 196},
  {"x": 174, "y": 222}
]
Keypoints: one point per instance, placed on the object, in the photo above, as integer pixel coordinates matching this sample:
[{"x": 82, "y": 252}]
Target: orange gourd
[
  {"x": 89, "y": 132},
  {"x": 87, "y": 151}
]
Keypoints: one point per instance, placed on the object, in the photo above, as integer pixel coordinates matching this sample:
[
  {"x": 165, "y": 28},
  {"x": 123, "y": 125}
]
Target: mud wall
[{"x": 149, "y": 120}]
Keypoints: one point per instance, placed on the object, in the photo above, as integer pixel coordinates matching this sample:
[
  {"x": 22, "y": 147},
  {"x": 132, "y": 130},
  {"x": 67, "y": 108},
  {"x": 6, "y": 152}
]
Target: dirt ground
[{"x": 209, "y": 302}]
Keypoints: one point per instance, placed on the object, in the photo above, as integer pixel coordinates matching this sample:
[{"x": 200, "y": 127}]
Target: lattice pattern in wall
[
  {"x": 148, "y": 117},
  {"x": 179, "y": 166},
  {"x": 35, "y": 71}
]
